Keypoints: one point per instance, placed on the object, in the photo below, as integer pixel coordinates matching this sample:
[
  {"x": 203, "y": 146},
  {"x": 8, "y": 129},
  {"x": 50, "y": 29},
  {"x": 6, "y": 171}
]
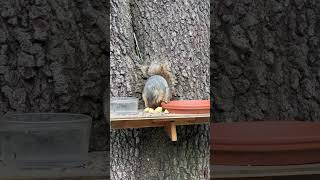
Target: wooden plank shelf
[
  {"x": 221, "y": 172},
  {"x": 168, "y": 121}
]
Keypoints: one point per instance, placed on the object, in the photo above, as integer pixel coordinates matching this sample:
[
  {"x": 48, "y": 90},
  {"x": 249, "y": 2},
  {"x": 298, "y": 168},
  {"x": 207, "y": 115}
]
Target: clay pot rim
[
  {"x": 187, "y": 104},
  {"x": 265, "y": 143},
  {"x": 269, "y": 141},
  {"x": 266, "y": 148},
  {"x": 189, "y": 111},
  {"x": 257, "y": 138}
]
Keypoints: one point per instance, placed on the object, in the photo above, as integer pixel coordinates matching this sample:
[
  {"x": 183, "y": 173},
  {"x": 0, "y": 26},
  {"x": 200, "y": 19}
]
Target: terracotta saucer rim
[{"x": 187, "y": 106}]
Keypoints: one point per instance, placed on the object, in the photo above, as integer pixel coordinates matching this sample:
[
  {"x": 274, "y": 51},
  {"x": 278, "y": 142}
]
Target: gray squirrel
[{"x": 160, "y": 85}]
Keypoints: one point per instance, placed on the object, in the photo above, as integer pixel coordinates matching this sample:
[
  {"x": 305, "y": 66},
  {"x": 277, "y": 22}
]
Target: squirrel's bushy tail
[{"x": 162, "y": 69}]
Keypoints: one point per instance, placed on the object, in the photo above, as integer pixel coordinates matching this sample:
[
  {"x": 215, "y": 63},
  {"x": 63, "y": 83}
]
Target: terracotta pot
[
  {"x": 188, "y": 106},
  {"x": 265, "y": 143}
]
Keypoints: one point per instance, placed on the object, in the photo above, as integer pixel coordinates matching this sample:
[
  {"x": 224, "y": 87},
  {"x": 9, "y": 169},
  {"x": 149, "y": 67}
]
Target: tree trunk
[
  {"x": 265, "y": 62},
  {"x": 52, "y": 59},
  {"x": 177, "y": 32}
]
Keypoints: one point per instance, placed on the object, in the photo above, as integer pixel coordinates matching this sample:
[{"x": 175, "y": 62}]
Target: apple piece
[{"x": 146, "y": 109}]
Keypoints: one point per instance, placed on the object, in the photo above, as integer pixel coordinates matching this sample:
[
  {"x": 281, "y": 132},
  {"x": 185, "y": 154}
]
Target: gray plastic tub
[
  {"x": 124, "y": 105},
  {"x": 44, "y": 140}
]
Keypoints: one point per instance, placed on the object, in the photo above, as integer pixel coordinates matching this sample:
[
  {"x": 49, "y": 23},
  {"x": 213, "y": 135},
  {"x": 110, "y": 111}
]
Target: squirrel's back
[{"x": 157, "y": 89}]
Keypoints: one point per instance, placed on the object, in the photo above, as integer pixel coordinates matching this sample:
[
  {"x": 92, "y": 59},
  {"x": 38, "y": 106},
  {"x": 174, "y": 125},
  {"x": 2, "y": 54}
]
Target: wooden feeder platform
[
  {"x": 168, "y": 121},
  {"x": 97, "y": 168}
]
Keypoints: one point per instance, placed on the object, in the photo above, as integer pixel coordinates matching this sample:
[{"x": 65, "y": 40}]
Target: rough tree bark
[
  {"x": 52, "y": 59},
  {"x": 265, "y": 59},
  {"x": 178, "y": 32}
]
